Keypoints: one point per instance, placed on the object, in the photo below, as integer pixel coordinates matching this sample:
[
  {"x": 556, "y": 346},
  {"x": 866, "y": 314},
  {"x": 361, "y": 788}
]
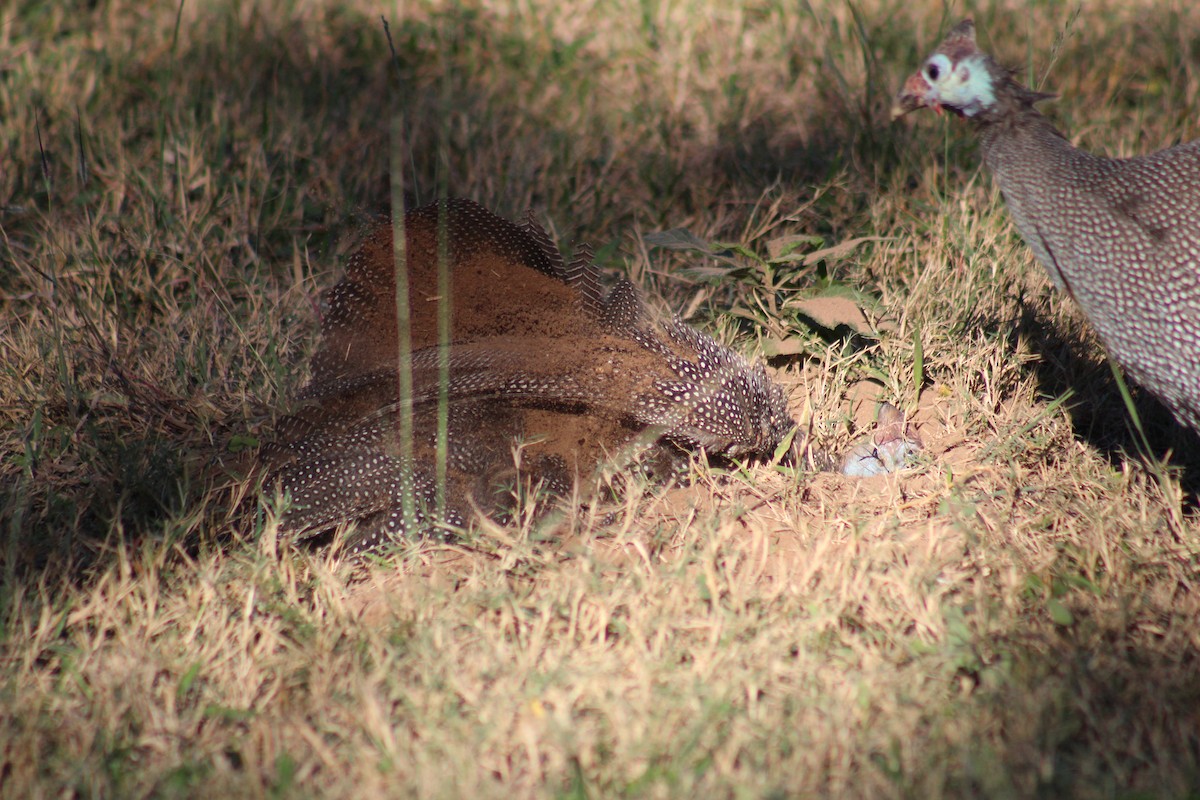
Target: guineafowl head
[{"x": 962, "y": 79}]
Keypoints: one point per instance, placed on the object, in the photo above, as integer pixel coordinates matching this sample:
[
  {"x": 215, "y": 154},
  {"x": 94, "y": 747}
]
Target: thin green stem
[{"x": 403, "y": 321}]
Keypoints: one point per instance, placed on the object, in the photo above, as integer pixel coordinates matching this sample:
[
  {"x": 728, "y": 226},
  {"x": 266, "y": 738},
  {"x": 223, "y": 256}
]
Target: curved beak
[{"x": 911, "y": 96}]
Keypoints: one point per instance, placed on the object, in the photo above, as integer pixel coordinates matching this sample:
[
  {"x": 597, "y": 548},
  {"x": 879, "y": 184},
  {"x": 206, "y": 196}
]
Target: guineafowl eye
[{"x": 932, "y": 71}]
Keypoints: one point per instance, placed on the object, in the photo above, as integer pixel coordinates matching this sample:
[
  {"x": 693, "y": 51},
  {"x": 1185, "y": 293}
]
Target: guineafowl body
[
  {"x": 540, "y": 361},
  {"x": 1120, "y": 236}
]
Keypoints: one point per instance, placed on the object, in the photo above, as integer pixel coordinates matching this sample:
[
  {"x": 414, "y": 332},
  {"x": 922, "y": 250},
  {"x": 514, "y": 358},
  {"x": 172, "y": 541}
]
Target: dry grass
[{"x": 1018, "y": 616}]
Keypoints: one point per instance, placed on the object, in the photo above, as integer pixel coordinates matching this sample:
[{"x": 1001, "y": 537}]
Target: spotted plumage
[
  {"x": 1121, "y": 236},
  {"x": 548, "y": 376}
]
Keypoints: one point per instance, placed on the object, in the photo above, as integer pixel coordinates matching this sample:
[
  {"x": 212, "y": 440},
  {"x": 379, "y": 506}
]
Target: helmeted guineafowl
[
  {"x": 540, "y": 358},
  {"x": 1120, "y": 236}
]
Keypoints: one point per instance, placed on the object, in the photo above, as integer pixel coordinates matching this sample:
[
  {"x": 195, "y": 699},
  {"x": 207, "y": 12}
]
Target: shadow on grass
[
  {"x": 1104, "y": 705},
  {"x": 117, "y": 476},
  {"x": 1098, "y": 412}
]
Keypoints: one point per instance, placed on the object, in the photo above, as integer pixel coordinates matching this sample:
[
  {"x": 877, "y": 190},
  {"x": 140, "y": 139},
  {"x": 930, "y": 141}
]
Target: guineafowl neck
[
  {"x": 1021, "y": 143},
  {"x": 1039, "y": 174}
]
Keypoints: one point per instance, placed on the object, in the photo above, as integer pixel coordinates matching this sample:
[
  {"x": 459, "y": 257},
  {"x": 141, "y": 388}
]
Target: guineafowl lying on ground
[
  {"x": 540, "y": 359},
  {"x": 1120, "y": 236}
]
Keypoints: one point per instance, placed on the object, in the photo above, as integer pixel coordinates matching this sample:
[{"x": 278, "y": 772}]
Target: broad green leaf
[{"x": 1059, "y": 613}]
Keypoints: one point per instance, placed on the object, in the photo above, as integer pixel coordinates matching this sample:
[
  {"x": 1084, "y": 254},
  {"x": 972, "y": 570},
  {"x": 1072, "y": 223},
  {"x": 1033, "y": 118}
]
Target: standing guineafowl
[{"x": 1120, "y": 236}]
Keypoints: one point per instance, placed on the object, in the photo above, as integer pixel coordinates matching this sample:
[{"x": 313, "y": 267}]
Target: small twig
[
  {"x": 175, "y": 33},
  {"x": 387, "y": 31},
  {"x": 83, "y": 167},
  {"x": 42, "y": 150}
]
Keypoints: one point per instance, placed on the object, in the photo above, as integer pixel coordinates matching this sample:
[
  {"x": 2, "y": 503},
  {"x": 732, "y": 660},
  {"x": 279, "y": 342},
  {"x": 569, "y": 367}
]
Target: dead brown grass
[{"x": 1015, "y": 617}]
